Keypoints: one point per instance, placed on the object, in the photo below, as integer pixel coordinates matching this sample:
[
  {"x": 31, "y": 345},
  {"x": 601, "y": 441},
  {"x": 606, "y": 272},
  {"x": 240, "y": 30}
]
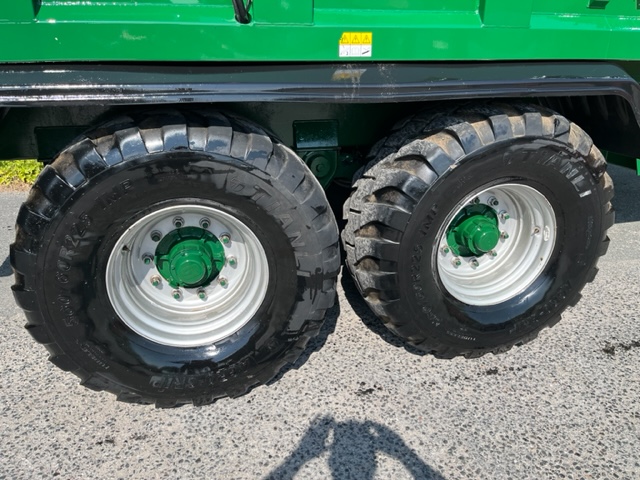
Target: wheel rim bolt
[
  {"x": 202, "y": 295},
  {"x": 178, "y": 222},
  {"x": 205, "y": 223},
  {"x": 504, "y": 235},
  {"x": 474, "y": 263},
  {"x": 493, "y": 201},
  {"x": 232, "y": 261},
  {"x": 177, "y": 294},
  {"x": 456, "y": 262},
  {"x": 445, "y": 250},
  {"x": 156, "y": 281},
  {"x": 504, "y": 216},
  {"x": 225, "y": 238},
  {"x": 156, "y": 236},
  {"x": 493, "y": 253},
  {"x": 147, "y": 259},
  {"x": 223, "y": 281}
]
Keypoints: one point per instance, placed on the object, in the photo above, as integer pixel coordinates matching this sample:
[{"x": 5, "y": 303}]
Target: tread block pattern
[
  {"x": 388, "y": 188},
  {"x": 129, "y": 138}
]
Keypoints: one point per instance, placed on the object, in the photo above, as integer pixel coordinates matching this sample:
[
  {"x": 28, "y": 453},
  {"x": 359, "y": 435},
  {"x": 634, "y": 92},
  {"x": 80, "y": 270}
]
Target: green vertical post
[{"x": 506, "y": 13}]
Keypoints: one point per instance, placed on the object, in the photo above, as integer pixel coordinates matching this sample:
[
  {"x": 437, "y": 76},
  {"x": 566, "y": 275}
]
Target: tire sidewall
[{"x": 564, "y": 178}]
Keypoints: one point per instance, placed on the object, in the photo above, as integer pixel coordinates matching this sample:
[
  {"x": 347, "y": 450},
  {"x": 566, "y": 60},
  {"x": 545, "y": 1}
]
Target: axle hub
[
  {"x": 474, "y": 231},
  {"x": 189, "y": 257}
]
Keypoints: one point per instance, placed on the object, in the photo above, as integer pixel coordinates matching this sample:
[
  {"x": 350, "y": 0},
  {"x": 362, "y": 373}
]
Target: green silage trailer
[{"x": 181, "y": 243}]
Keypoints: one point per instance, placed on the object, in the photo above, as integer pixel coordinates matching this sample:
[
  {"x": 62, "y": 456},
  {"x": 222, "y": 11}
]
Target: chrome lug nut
[
  {"x": 225, "y": 238},
  {"x": 156, "y": 236},
  {"x": 456, "y": 262},
  {"x": 504, "y": 235},
  {"x": 205, "y": 223},
  {"x": 474, "y": 263},
  {"x": 202, "y": 294},
  {"x": 147, "y": 259},
  {"x": 176, "y": 294},
  {"x": 493, "y": 201},
  {"x": 504, "y": 216},
  {"x": 223, "y": 281},
  {"x": 156, "y": 281},
  {"x": 232, "y": 261},
  {"x": 445, "y": 250},
  {"x": 493, "y": 253},
  {"x": 178, "y": 222}
]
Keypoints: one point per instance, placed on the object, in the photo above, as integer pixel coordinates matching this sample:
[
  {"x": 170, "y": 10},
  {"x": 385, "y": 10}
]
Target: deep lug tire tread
[
  {"x": 403, "y": 166},
  {"x": 129, "y": 138}
]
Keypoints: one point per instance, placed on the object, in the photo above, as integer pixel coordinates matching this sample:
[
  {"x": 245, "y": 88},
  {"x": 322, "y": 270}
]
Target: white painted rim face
[
  {"x": 519, "y": 257},
  {"x": 190, "y": 321}
]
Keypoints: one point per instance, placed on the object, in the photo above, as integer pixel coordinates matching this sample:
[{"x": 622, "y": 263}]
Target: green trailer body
[
  {"x": 181, "y": 245},
  {"x": 319, "y": 30}
]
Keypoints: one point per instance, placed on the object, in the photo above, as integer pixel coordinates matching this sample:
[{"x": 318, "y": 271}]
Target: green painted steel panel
[
  {"x": 304, "y": 30},
  {"x": 17, "y": 10},
  {"x": 277, "y": 12},
  {"x": 505, "y": 13}
]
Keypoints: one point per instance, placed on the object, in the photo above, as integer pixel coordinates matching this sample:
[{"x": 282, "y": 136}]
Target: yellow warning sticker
[{"x": 355, "y": 44}]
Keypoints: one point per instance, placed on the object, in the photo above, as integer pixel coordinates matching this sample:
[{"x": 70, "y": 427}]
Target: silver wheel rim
[
  {"x": 152, "y": 311},
  {"x": 522, "y": 253}
]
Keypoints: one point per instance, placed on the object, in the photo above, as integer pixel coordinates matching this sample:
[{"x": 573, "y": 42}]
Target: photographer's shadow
[{"x": 352, "y": 447}]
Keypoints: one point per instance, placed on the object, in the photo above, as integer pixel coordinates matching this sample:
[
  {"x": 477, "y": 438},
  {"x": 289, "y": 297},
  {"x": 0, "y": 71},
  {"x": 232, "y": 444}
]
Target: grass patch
[{"x": 19, "y": 173}]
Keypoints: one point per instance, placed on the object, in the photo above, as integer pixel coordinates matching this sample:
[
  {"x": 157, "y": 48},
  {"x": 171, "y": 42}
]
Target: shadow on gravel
[
  {"x": 5, "y": 268},
  {"x": 627, "y": 185},
  {"x": 372, "y": 322},
  {"x": 351, "y": 448},
  {"x": 316, "y": 343}
]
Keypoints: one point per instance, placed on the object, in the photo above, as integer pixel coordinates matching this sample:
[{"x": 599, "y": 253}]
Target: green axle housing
[
  {"x": 474, "y": 231},
  {"x": 190, "y": 257}
]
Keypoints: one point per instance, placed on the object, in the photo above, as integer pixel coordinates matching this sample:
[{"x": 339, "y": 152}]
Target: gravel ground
[{"x": 358, "y": 404}]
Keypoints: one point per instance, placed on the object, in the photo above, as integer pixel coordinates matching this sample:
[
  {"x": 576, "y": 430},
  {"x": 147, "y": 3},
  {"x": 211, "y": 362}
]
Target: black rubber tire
[
  {"x": 102, "y": 183},
  {"x": 415, "y": 178}
]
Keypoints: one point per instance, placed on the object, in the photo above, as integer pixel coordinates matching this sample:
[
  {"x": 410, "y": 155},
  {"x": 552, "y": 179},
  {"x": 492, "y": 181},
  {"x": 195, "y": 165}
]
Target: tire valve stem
[
  {"x": 536, "y": 230},
  {"x": 504, "y": 216},
  {"x": 456, "y": 262},
  {"x": 177, "y": 294},
  {"x": 232, "y": 261},
  {"x": 223, "y": 281},
  {"x": 202, "y": 294},
  {"x": 225, "y": 238},
  {"x": 474, "y": 263},
  {"x": 155, "y": 281}
]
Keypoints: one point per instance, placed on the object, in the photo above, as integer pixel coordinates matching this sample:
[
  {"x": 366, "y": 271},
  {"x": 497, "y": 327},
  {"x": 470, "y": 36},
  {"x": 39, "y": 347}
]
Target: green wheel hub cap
[
  {"x": 474, "y": 231},
  {"x": 189, "y": 257}
]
